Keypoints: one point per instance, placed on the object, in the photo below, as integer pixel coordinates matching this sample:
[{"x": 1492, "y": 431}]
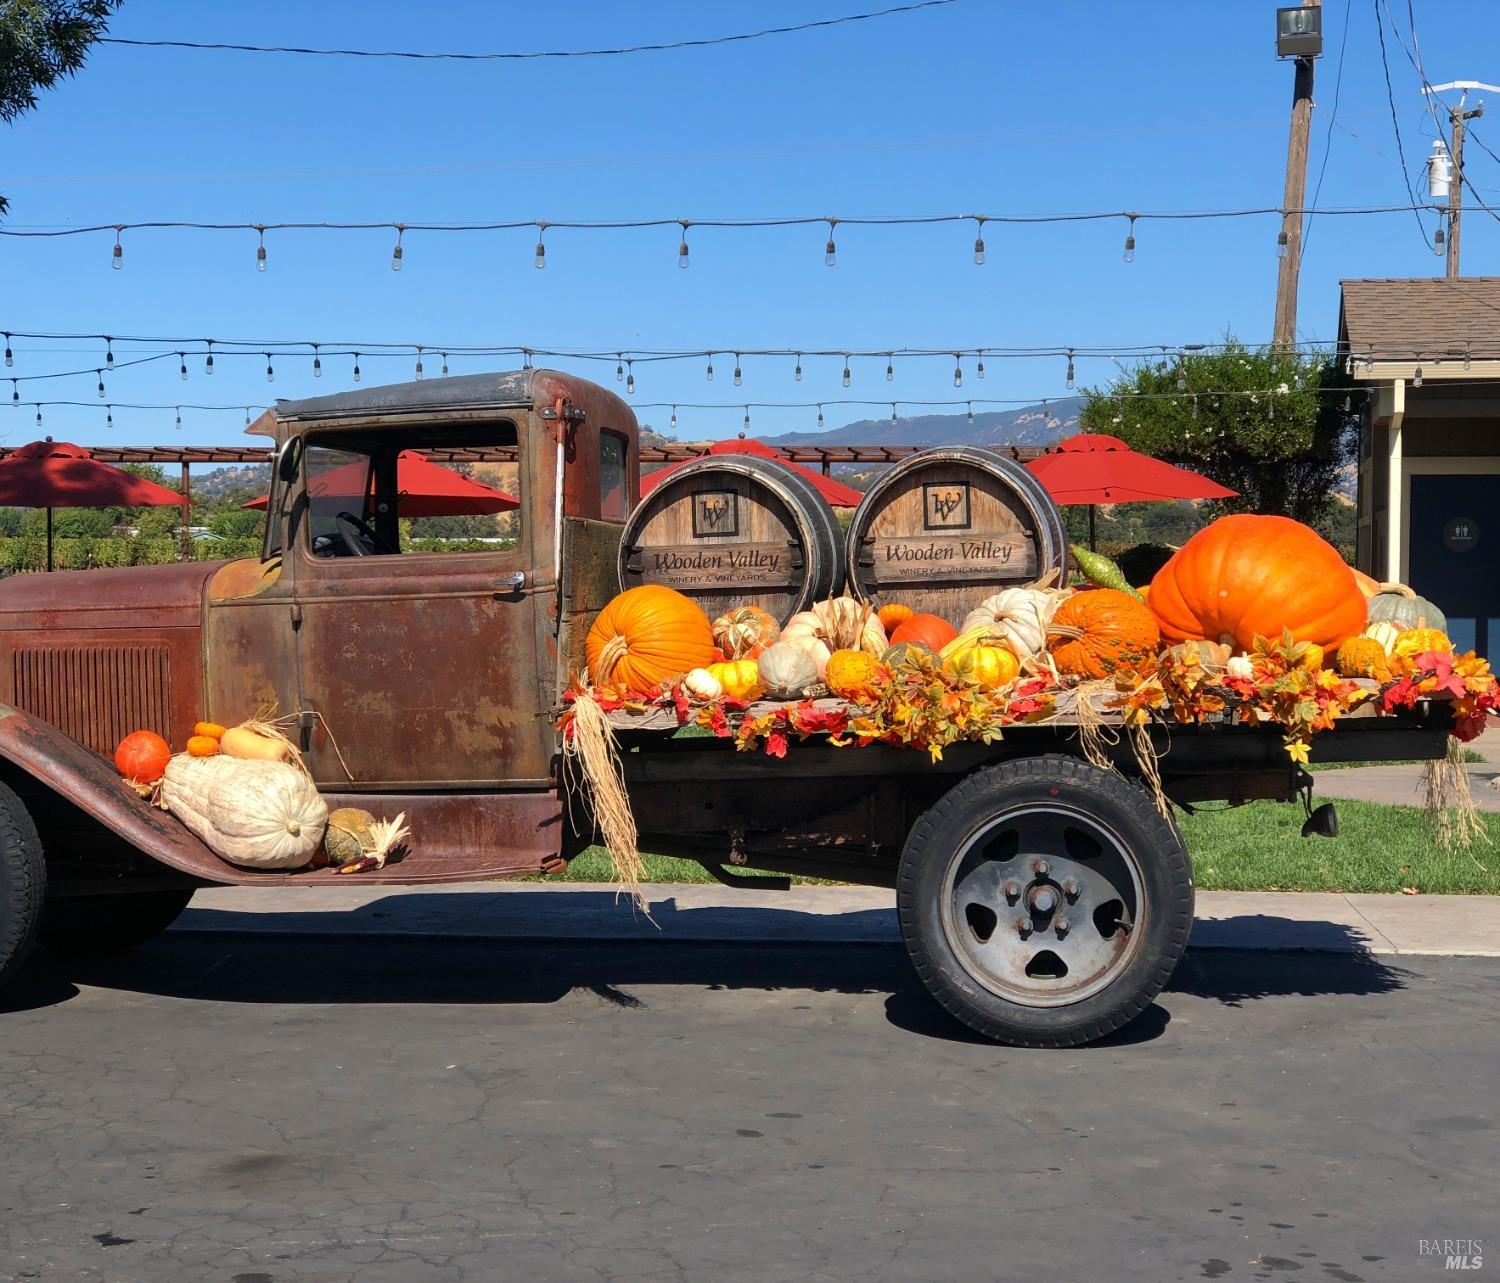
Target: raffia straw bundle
[
  {"x": 591, "y": 757},
  {"x": 1449, "y": 806},
  {"x": 1146, "y": 758},
  {"x": 1093, "y": 739}
]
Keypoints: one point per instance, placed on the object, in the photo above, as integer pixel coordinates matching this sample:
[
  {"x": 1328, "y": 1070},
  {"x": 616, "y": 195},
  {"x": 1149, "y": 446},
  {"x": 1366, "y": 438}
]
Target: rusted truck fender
[{"x": 80, "y": 776}]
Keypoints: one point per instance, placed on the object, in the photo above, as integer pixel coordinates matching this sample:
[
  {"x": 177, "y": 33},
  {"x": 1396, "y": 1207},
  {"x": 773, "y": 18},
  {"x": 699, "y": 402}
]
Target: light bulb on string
[
  {"x": 1301, "y": 379},
  {"x": 1283, "y": 245},
  {"x": 796, "y": 373},
  {"x": 526, "y": 358},
  {"x": 738, "y": 377},
  {"x": 893, "y": 411},
  {"x": 109, "y": 353},
  {"x": 10, "y": 357},
  {"x": 1416, "y": 378},
  {"x": 746, "y": 428},
  {"x": 820, "y": 414},
  {"x": 39, "y": 414},
  {"x": 397, "y": 253},
  {"x": 971, "y": 412},
  {"x": 109, "y": 416},
  {"x": 674, "y": 418},
  {"x": 270, "y": 373},
  {"x": 179, "y": 418},
  {"x": 444, "y": 355},
  {"x": 540, "y": 257},
  {"x": 1195, "y": 407},
  {"x": 1346, "y": 403},
  {"x": 317, "y": 362},
  {"x": 682, "y": 245},
  {"x": 117, "y": 258},
  {"x": 979, "y": 243},
  {"x": 1130, "y": 240},
  {"x": 182, "y": 366},
  {"x": 260, "y": 249},
  {"x": 629, "y": 379},
  {"x": 1439, "y": 242},
  {"x": 356, "y": 367},
  {"x": 979, "y": 369},
  {"x": 958, "y": 371},
  {"x": 418, "y": 370},
  {"x": 830, "y": 251},
  {"x": 1181, "y": 379},
  {"x": 1070, "y": 379},
  {"x": 208, "y": 360},
  {"x": 100, "y": 375},
  {"x": 846, "y": 376},
  {"x": 890, "y": 367},
  {"x": 247, "y": 416},
  {"x": 708, "y": 374},
  {"x": 15, "y": 393},
  {"x": 619, "y": 367},
  {"x": 1468, "y": 359}
]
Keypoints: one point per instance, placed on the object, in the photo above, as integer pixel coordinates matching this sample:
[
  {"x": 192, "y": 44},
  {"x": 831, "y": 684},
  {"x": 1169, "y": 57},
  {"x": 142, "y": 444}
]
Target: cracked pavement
[{"x": 310, "y": 1110}]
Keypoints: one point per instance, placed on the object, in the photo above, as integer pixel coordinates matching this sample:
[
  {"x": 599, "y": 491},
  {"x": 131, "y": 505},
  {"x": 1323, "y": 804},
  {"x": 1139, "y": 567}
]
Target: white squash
[
  {"x": 840, "y": 623},
  {"x": 1385, "y": 632},
  {"x": 788, "y": 668},
  {"x": 1241, "y": 666},
  {"x": 1019, "y": 616},
  {"x": 702, "y": 685},
  {"x": 263, "y": 815}
]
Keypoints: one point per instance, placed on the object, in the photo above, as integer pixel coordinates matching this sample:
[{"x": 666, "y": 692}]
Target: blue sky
[{"x": 977, "y": 106}]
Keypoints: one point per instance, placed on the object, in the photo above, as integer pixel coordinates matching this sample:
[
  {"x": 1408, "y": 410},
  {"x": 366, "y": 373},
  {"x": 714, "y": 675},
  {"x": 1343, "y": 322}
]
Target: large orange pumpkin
[
  {"x": 1102, "y": 631},
  {"x": 646, "y": 636},
  {"x": 142, "y": 757},
  {"x": 1247, "y": 576},
  {"x": 933, "y": 631}
]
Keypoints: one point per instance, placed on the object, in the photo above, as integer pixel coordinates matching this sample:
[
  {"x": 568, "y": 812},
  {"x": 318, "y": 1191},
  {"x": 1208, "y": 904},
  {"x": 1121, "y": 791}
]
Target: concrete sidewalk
[
  {"x": 1403, "y": 785},
  {"x": 1330, "y": 923}
]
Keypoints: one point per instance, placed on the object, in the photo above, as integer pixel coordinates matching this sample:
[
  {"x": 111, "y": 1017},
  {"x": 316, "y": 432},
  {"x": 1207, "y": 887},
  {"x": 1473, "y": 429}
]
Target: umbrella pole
[
  {"x": 1092, "y": 544},
  {"x": 49, "y": 538}
]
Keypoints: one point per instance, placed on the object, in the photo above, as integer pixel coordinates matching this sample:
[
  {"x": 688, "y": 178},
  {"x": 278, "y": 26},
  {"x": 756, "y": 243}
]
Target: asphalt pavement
[{"x": 264, "y": 1109}]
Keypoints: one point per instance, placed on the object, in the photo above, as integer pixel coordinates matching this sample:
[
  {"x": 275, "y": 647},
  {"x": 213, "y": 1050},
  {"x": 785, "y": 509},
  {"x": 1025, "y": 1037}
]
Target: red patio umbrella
[
  {"x": 54, "y": 474},
  {"x": 423, "y": 489},
  {"x": 837, "y": 494},
  {"x": 1092, "y": 468}
]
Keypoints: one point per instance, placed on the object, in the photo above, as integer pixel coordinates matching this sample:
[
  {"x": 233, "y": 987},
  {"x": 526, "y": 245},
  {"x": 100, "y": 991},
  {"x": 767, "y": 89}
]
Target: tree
[
  {"x": 42, "y": 41},
  {"x": 1239, "y": 417}
]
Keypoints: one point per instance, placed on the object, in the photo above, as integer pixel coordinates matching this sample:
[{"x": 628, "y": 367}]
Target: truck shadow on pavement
[{"x": 279, "y": 968}]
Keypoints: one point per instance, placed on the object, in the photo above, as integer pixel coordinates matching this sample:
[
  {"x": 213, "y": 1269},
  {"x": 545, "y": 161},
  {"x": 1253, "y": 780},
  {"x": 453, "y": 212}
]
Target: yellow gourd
[
  {"x": 851, "y": 675},
  {"x": 1362, "y": 657},
  {"x": 740, "y": 678},
  {"x": 989, "y": 666}
]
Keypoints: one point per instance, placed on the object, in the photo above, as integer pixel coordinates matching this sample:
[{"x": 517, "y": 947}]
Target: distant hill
[
  {"x": 254, "y": 477},
  {"x": 1027, "y": 425}
]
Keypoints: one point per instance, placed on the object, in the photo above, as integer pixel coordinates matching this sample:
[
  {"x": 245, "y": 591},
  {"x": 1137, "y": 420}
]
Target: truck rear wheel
[
  {"x": 23, "y": 883},
  {"x": 109, "y": 923},
  {"x": 1045, "y": 902}
]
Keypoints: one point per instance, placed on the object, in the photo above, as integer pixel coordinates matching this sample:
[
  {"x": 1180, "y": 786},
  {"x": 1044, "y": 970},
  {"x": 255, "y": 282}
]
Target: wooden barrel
[
  {"x": 736, "y": 530},
  {"x": 944, "y": 529}
]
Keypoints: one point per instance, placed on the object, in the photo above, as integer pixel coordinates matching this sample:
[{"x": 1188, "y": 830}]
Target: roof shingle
[{"x": 1398, "y": 319}]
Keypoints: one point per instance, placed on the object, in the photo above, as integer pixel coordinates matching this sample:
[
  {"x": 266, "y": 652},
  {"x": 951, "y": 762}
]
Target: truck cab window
[{"x": 614, "y": 503}]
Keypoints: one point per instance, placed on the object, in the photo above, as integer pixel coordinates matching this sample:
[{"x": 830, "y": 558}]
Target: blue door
[{"x": 1454, "y": 554}]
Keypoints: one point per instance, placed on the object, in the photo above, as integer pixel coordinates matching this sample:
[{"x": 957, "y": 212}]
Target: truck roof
[{"x": 464, "y": 391}]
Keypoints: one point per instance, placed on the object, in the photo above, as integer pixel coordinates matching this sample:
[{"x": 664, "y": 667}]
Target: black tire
[
  {"x": 23, "y": 883},
  {"x": 86, "y": 924},
  {"x": 1079, "y": 819}
]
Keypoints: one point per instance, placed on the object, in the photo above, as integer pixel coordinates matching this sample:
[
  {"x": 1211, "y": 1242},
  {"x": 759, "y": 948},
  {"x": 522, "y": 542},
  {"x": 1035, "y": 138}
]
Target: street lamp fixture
[{"x": 1299, "y": 33}]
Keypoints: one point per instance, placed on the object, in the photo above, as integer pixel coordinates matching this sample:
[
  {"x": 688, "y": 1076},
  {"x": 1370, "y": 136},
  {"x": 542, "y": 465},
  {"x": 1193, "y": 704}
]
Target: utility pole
[
  {"x": 1457, "y": 119},
  {"x": 1289, "y": 242}
]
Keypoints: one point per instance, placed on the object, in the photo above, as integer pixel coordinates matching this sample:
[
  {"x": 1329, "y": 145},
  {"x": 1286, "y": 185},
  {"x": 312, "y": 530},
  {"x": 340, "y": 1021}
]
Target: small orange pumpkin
[
  {"x": 202, "y": 746},
  {"x": 851, "y": 675},
  {"x": 893, "y": 615},
  {"x": 212, "y": 729},
  {"x": 933, "y": 631},
  {"x": 746, "y": 632},
  {"x": 1102, "y": 631},
  {"x": 142, "y": 757},
  {"x": 646, "y": 636}
]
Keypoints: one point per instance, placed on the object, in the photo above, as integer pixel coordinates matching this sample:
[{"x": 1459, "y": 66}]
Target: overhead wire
[
  {"x": 1390, "y": 97},
  {"x": 1338, "y": 84}
]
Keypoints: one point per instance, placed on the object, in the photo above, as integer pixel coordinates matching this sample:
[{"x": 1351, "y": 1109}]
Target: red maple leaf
[
  {"x": 680, "y": 700},
  {"x": 776, "y": 743}
]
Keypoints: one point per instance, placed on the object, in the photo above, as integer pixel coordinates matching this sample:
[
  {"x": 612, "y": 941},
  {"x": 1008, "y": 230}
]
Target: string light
[
  {"x": 619, "y": 367},
  {"x": 846, "y": 375},
  {"x": 109, "y": 352},
  {"x": 708, "y": 374},
  {"x": 979, "y": 372},
  {"x": 117, "y": 258},
  {"x": 1416, "y": 380},
  {"x": 100, "y": 374},
  {"x": 1301, "y": 379},
  {"x": 1468, "y": 359},
  {"x": 682, "y": 246},
  {"x": 444, "y": 355},
  {"x": 1439, "y": 242},
  {"x": 270, "y": 373},
  {"x": 629, "y": 379},
  {"x": 796, "y": 374},
  {"x": 109, "y": 416},
  {"x": 526, "y": 358},
  {"x": 1130, "y": 239},
  {"x": 674, "y": 418},
  {"x": 356, "y": 367},
  {"x": 1181, "y": 376},
  {"x": 247, "y": 416},
  {"x": 830, "y": 251},
  {"x": 39, "y": 416},
  {"x": 540, "y": 257},
  {"x": 738, "y": 377},
  {"x": 893, "y": 411},
  {"x": 208, "y": 361},
  {"x": 260, "y": 249},
  {"x": 890, "y": 366},
  {"x": 1283, "y": 245},
  {"x": 820, "y": 414},
  {"x": 971, "y": 412},
  {"x": 317, "y": 363},
  {"x": 179, "y": 418},
  {"x": 958, "y": 371},
  {"x": 1195, "y": 407},
  {"x": 747, "y": 418},
  {"x": 182, "y": 366},
  {"x": 10, "y": 357},
  {"x": 1070, "y": 370},
  {"x": 418, "y": 370},
  {"x": 1346, "y": 403},
  {"x": 979, "y": 243},
  {"x": 396, "y": 252},
  {"x": 15, "y": 393}
]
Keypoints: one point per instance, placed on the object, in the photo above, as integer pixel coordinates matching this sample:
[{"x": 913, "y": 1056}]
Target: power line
[
  {"x": 533, "y": 55},
  {"x": 1338, "y": 84},
  {"x": 1390, "y": 98}
]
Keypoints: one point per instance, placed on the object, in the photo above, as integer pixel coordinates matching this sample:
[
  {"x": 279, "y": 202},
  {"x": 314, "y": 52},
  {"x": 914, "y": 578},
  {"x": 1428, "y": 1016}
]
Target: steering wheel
[{"x": 351, "y": 528}]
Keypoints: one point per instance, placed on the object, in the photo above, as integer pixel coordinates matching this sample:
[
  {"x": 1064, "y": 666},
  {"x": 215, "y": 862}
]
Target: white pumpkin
[
  {"x": 702, "y": 686},
  {"x": 1240, "y": 666},
  {"x": 1385, "y": 632},
  {"x": 787, "y": 669},
  {"x": 1019, "y": 616},
  {"x": 840, "y": 623},
  {"x": 263, "y": 815}
]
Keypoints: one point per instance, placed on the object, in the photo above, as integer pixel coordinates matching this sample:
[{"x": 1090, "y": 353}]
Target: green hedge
[{"x": 30, "y": 553}]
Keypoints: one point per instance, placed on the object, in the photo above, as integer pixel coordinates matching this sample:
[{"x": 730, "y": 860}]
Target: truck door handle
[{"x": 511, "y": 583}]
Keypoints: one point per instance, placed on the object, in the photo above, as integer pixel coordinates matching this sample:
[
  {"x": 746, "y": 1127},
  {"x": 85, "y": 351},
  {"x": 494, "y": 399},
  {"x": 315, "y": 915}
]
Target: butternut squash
[{"x": 259, "y": 814}]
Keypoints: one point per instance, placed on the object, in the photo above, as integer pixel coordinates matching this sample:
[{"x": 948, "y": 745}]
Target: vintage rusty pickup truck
[{"x": 1044, "y": 901}]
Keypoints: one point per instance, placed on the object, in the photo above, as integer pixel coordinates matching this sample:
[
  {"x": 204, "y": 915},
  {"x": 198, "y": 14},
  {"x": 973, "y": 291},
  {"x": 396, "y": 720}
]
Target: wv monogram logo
[
  {"x": 945, "y": 505},
  {"x": 716, "y": 513}
]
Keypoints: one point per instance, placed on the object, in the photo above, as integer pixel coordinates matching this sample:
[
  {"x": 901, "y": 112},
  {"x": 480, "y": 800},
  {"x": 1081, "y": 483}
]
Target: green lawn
[{"x": 1259, "y": 847}]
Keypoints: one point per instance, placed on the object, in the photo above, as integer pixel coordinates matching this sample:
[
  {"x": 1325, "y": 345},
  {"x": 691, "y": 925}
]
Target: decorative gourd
[
  {"x": 990, "y": 666},
  {"x": 744, "y": 633},
  {"x": 703, "y": 686},
  {"x": 1212, "y": 656},
  {"x": 1312, "y": 657},
  {"x": 1419, "y": 641},
  {"x": 1362, "y": 657},
  {"x": 1247, "y": 576},
  {"x": 840, "y": 623},
  {"x": 1019, "y": 617},
  {"x": 894, "y": 615},
  {"x": 646, "y": 636},
  {"x": 349, "y": 835},
  {"x": 248, "y": 745},
  {"x": 142, "y": 756},
  {"x": 212, "y": 729},
  {"x": 1101, "y": 632},
  {"x": 787, "y": 669},
  {"x": 851, "y": 675},
  {"x": 202, "y": 745},
  {"x": 1240, "y": 666},
  {"x": 740, "y": 678},
  {"x": 1384, "y": 632},
  {"x": 902, "y": 654},
  {"x": 930, "y": 630},
  {"x": 1402, "y": 606},
  {"x": 1100, "y": 571},
  {"x": 263, "y": 815}
]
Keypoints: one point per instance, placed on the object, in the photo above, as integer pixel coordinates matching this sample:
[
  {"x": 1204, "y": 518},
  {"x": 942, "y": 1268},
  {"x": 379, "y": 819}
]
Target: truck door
[{"x": 418, "y": 633}]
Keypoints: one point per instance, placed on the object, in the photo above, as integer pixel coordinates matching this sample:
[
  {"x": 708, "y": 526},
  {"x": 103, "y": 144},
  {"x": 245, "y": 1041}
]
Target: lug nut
[
  {"x": 1023, "y": 927},
  {"x": 1012, "y": 892},
  {"x": 1061, "y": 927},
  {"x": 1071, "y": 889},
  {"x": 1040, "y": 867}
]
